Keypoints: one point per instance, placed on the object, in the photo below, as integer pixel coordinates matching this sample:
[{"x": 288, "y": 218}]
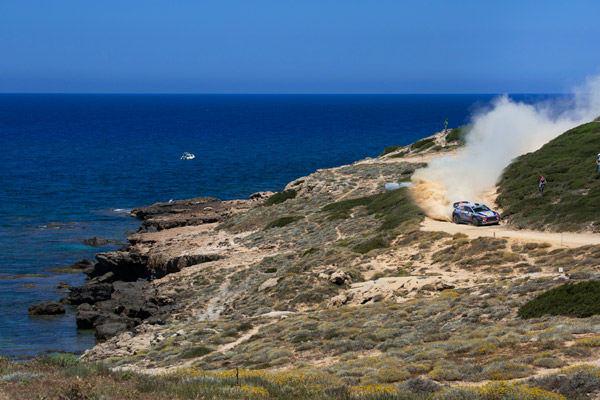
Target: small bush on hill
[
  {"x": 422, "y": 144},
  {"x": 399, "y": 155},
  {"x": 390, "y": 149},
  {"x": 394, "y": 208},
  {"x": 371, "y": 244},
  {"x": 458, "y": 134},
  {"x": 575, "y": 300},
  {"x": 196, "y": 352},
  {"x": 62, "y": 359},
  {"x": 280, "y": 197},
  {"x": 283, "y": 221}
]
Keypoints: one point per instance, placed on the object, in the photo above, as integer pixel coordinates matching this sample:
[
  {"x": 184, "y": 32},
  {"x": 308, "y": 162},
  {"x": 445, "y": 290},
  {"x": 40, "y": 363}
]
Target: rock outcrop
[
  {"x": 200, "y": 210},
  {"x": 119, "y": 293},
  {"x": 47, "y": 308}
]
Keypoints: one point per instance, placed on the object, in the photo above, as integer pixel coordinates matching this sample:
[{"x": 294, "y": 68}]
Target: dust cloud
[{"x": 498, "y": 135}]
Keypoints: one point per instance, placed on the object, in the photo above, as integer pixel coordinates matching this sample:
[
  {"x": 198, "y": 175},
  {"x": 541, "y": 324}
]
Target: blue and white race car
[{"x": 474, "y": 213}]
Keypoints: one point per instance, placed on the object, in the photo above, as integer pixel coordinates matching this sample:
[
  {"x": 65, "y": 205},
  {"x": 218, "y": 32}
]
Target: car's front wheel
[
  {"x": 455, "y": 219},
  {"x": 475, "y": 221}
]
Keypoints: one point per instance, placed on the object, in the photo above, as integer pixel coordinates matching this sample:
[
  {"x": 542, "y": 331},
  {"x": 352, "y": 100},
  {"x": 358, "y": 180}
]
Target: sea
[{"x": 72, "y": 166}]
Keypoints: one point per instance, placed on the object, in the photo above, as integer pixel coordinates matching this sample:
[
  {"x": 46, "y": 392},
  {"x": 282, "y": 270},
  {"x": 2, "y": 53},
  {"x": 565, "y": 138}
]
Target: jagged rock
[
  {"x": 125, "y": 265},
  {"x": 197, "y": 211},
  {"x": 340, "y": 277},
  {"x": 337, "y": 301},
  {"x": 83, "y": 264},
  {"x": 176, "y": 264},
  {"x": 47, "y": 308},
  {"x": 442, "y": 285},
  {"x": 78, "y": 266},
  {"x": 90, "y": 293},
  {"x": 86, "y": 316},
  {"x": 110, "y": 329},
  {"x": 63, "y": 285},
  {"x": 96, "y": 241},
  {"x": 269, "y": 283},
  {"x": 261, "y": 197},
  {"x": 108, "y": 277}
]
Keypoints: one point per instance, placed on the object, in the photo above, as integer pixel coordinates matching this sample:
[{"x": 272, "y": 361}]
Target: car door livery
[{"x": 467, "y": 213}]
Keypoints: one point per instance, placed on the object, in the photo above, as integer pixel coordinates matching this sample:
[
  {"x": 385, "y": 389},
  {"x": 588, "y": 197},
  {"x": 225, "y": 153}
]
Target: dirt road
[{"x": 555, "y": 239}]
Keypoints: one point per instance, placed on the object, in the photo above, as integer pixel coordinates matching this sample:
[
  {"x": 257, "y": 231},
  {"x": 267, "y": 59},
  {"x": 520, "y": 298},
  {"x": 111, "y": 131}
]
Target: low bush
[
  {"x": 280, "y": 197},
  {"x": 394, "y": 207},
  {"x": 197, "y": 351},
  {"x": 283, "y": 221},
  {"x": 399, "y": 155},
  {"x": 371, "y": 244},
  {"x": 575, "y": 300},
  {"x": 62, "y": 359},
  {"x": 458, "y": 134},
  {"x": 390, "y": 149},
  {"x": 422, "y": 144}
]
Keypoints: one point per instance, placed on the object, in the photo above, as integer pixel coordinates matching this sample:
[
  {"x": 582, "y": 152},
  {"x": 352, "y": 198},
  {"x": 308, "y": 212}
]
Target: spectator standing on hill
[
  {"x": 598, "y": 163},
  {"x": 446, "y": 125},
  {"x": 541, "y": 183}
]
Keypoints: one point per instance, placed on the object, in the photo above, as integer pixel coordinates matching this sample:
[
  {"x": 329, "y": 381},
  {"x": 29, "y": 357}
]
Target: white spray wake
[{"x": 497, "y": 137}]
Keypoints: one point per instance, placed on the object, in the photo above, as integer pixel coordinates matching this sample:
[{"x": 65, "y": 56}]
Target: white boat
[{"x": 187, "y": 156}]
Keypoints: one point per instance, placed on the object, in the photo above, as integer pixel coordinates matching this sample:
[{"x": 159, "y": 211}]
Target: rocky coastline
[
  {"x": 336, "y": 276},
  {"x": 119, "y": 293}
]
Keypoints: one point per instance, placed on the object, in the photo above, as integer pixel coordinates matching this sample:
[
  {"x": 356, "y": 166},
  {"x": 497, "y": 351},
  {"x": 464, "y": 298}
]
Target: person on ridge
[
  {"x": 446, "y": 125},
  {"x": 598, "y": 163},
  {"x": 541, "y": 183}
]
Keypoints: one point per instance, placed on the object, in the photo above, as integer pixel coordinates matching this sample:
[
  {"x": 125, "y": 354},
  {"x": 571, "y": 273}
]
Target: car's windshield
[{"x": 481, "y": 208}]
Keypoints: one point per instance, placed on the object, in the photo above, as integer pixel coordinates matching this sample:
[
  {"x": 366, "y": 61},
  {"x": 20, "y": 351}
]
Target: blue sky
[{"x": 302, "y": 46}]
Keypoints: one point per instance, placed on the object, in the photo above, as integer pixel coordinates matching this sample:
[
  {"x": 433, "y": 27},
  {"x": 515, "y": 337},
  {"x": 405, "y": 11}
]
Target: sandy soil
[{"x": 554, "y": 238}]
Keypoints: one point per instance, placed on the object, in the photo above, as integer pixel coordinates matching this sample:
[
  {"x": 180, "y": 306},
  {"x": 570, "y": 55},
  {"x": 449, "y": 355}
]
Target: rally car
[{"x": 474, "y": 213}]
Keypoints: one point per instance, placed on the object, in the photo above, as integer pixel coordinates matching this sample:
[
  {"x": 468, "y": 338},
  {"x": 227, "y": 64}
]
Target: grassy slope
[{"x": 572, "y": 196}]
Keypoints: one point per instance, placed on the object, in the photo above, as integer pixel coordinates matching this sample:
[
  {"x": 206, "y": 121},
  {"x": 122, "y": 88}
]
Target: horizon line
[{"x": 279, "y": 94}]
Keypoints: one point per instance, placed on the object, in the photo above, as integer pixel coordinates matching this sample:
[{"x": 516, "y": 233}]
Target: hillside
[
  {"x": 572, "y": 195},
  {"x": 332, "y": 290}
]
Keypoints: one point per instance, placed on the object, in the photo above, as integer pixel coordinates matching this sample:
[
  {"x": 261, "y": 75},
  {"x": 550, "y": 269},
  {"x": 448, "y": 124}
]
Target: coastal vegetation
[
  {"x": 422, "y": 144},
  {"x": 576, "y": 300},
  {"x": 333, "y": 291},
  {"x": 459, "y": 134},
  {"x": 394, "y": 208},
  {"x": 571, "y": 197},
  {"x": 280, "y": 197},
  {"x": 283, "y": 221},
  {"x": 390, "y": 149}
]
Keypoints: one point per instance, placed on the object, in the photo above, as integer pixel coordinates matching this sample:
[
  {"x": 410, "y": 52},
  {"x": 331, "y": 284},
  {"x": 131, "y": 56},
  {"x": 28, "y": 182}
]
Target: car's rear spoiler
[{"x": 458, "y": 203}]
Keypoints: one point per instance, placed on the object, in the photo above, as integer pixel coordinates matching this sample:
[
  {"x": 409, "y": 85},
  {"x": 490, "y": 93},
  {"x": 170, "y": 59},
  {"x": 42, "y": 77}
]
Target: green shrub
[
  {"x": 62, "y": 359},
  {"x": 570, "y": 201},
  {"x": 390, "y": 149},
  {"x": 576, "y": 300},
  {"x": 399, "y": 155},
  {"x": 197, "y": 351},
  {"x": 244, "y": 326},
  {"x": 393, "y": 207},
  {"x": 310, "y": 251},
  {"x": 283, "y": 221},
  {"x": 458, "y": 134},
  {"x": 371, "y": 244},
  {"x": 280, "y": 197},
  {"x": 422, "y": 144}
]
